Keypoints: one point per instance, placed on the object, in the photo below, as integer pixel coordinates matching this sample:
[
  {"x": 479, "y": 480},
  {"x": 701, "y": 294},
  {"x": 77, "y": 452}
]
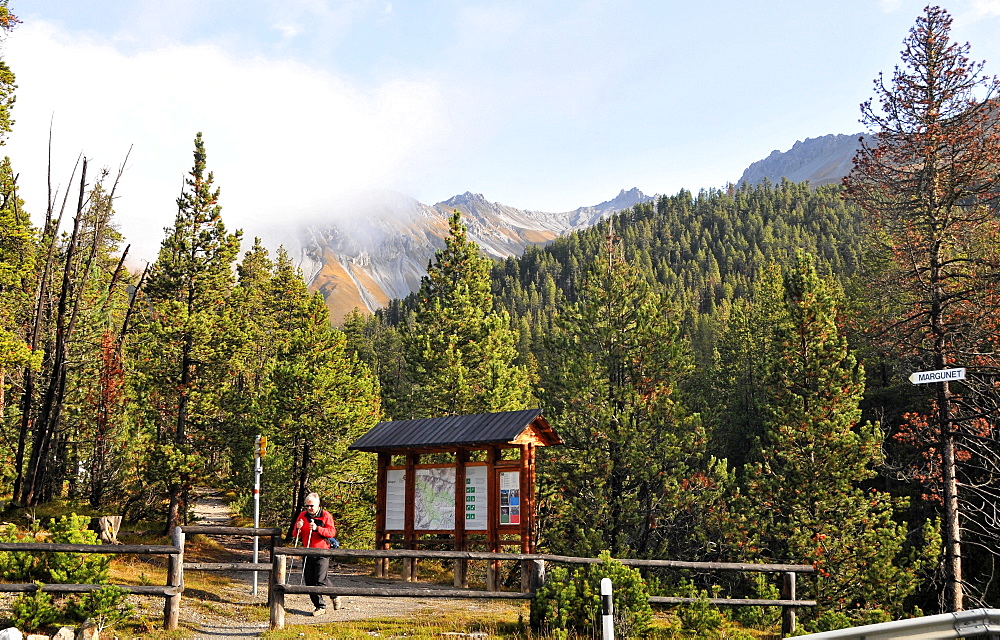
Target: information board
[
  {"x": 434, "y": 495},
  {"x": 510, "y": 497},
  {"x": 395, "y": 500},
  {"x": 434, "y": 507},
  {"x": 476, "y": 500}
]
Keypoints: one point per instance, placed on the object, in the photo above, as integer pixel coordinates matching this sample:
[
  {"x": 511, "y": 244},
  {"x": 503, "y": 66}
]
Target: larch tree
[
  {"x": 460, "y": 354},
  {"x": 929, "y": 179},
  {"x": 184, "y": 361},
  {"x": 805, "y": 491}
]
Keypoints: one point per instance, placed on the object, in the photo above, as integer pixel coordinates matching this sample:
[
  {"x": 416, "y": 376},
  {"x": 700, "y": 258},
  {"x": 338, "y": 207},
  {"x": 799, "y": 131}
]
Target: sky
[{"x": 537, "y": 104}]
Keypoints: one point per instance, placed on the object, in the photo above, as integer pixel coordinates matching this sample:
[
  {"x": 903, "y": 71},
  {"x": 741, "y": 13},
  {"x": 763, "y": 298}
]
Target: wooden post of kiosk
[
  {"x": 382, "y": 539},
  {"x": 410, "y": 564},
  {"x": 461, "y": 565},
  {"x": 493, "y": 530}
]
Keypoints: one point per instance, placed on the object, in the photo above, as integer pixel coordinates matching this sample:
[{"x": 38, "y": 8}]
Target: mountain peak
[
  {"x": 466, "y": 198},
  {"x": 822, "y": 160}
]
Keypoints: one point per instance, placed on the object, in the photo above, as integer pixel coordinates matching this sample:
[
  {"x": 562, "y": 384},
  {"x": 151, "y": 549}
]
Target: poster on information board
[
  {"x": 395, "y": 500},
  {"x": 476, "y": 500},
  {"x": 510, "y": 497}
]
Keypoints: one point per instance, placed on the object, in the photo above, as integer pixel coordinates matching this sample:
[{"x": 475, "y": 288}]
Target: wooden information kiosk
[{"x": 474, "y": 488}]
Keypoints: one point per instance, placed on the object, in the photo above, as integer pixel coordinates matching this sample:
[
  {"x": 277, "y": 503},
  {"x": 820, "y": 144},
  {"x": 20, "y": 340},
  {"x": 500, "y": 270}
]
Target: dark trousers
[{"x": 316, "y": 576}]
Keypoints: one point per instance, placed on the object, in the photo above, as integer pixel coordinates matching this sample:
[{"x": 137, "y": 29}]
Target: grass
[{"x": 429, "y": 624}]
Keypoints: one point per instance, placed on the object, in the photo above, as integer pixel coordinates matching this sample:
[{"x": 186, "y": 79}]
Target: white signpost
[{"x": 941, "y": 375}]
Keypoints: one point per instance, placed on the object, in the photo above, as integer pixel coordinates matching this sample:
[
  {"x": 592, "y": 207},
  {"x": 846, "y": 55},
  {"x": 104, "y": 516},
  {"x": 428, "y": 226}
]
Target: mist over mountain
[
  {"x": 823, "y": 160},
  {"x": 376, "y": 246}
]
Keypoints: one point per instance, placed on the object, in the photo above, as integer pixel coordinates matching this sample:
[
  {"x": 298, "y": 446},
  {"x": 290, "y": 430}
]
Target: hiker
[{"x": 315, "y": 528}]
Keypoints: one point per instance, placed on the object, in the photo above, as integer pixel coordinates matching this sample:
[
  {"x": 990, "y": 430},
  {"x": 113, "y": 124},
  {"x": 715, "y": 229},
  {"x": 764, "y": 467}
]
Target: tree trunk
[{"x": 954, "y": 591}]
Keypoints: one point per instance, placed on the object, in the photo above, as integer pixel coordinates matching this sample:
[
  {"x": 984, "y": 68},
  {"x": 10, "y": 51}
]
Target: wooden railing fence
[
  {"x": 171, "y": 592},
  {"x": 535, "y": 565},
  {"x": 272, "y": 534}
]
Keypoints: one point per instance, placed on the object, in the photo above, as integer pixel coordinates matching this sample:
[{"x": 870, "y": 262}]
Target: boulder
[
  {"x": 107, "y": 528},
  {"x": 88, "y": 631}
]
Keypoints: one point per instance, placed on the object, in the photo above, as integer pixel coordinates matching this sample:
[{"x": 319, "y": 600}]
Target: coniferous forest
[{"x": 728, "y": 368}]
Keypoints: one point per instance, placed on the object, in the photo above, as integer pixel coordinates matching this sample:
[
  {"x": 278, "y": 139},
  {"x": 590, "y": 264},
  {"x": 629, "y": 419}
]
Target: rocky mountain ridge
[
  {"x": 377, "y": 246},
  {"x": 822, "y": 160}
]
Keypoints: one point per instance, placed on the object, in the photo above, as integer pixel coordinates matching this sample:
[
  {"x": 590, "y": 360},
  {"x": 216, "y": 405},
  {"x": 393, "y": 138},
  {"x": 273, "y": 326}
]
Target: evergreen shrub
[
  {"x": 31, "y": 611},
  {"x": 570, "y": 600}
]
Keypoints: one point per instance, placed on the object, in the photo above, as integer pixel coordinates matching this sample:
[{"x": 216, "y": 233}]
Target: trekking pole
[
  {"x": 306, "y": 558},
  {"x": 295, "y": 545}
]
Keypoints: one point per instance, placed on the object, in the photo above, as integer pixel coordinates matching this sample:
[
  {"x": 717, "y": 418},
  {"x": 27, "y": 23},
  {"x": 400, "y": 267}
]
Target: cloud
[
  {"x": 988, "y": 8},
  {"x": 283, "y": 138},
  {"x": 288, "y": 30}
]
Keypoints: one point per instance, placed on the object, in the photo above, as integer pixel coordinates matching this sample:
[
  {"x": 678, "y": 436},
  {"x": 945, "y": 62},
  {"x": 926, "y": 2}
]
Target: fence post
[
  {"x": 491, "y": 575},
  {"x": 276, "y": 592},
  {"x": 175, "y": 578},
  {"x": 788, "y": 612},
  {"x": 270, "y": 580}
]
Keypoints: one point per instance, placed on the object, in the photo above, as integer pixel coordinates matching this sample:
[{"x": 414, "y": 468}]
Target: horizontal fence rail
[
  {"x": 408, "y": 593},
  {"x": 142, "y": 590},
  {"x": 486, "y": 555},
  {"x": 61, "y": 547},
  {"x": 262, "y": 532}
]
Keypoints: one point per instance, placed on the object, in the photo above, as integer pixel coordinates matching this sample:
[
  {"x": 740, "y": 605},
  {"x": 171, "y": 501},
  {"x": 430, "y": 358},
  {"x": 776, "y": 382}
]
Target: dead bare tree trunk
[{"x": 48, "y": 418}]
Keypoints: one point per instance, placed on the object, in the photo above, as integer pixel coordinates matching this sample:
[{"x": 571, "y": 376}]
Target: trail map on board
[{"x": 435, "y": 499}]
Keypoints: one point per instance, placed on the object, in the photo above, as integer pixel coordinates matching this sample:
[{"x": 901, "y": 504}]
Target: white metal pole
[
  {"x": 607, "y": 610},
  {"x": 256, "y": 504}
]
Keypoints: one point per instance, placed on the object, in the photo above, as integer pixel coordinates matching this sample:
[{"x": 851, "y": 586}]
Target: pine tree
[
  {"x": 321, "y": 400},
  {"x": 733, "y": 387},
  {"x": 460, "y": 353},
  {"x": 806, "y": 496},
  {"x": 184, "y": 358},
  {"x": 17, "y": 264},
  {"x": 631, "y": 476}
]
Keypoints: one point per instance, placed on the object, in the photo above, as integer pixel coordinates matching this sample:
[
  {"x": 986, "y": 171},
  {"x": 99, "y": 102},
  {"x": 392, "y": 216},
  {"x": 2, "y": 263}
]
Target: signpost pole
[{"x": 260, "y": 445}]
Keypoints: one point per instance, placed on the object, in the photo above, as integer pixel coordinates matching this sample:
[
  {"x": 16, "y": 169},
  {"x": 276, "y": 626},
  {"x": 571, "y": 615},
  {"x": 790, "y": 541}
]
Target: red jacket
[{"x": 325, "y": 528}]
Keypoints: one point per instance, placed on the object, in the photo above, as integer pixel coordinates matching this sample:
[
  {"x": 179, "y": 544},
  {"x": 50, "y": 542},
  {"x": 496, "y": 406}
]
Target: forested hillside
[{"x": 703, "y": 252}]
